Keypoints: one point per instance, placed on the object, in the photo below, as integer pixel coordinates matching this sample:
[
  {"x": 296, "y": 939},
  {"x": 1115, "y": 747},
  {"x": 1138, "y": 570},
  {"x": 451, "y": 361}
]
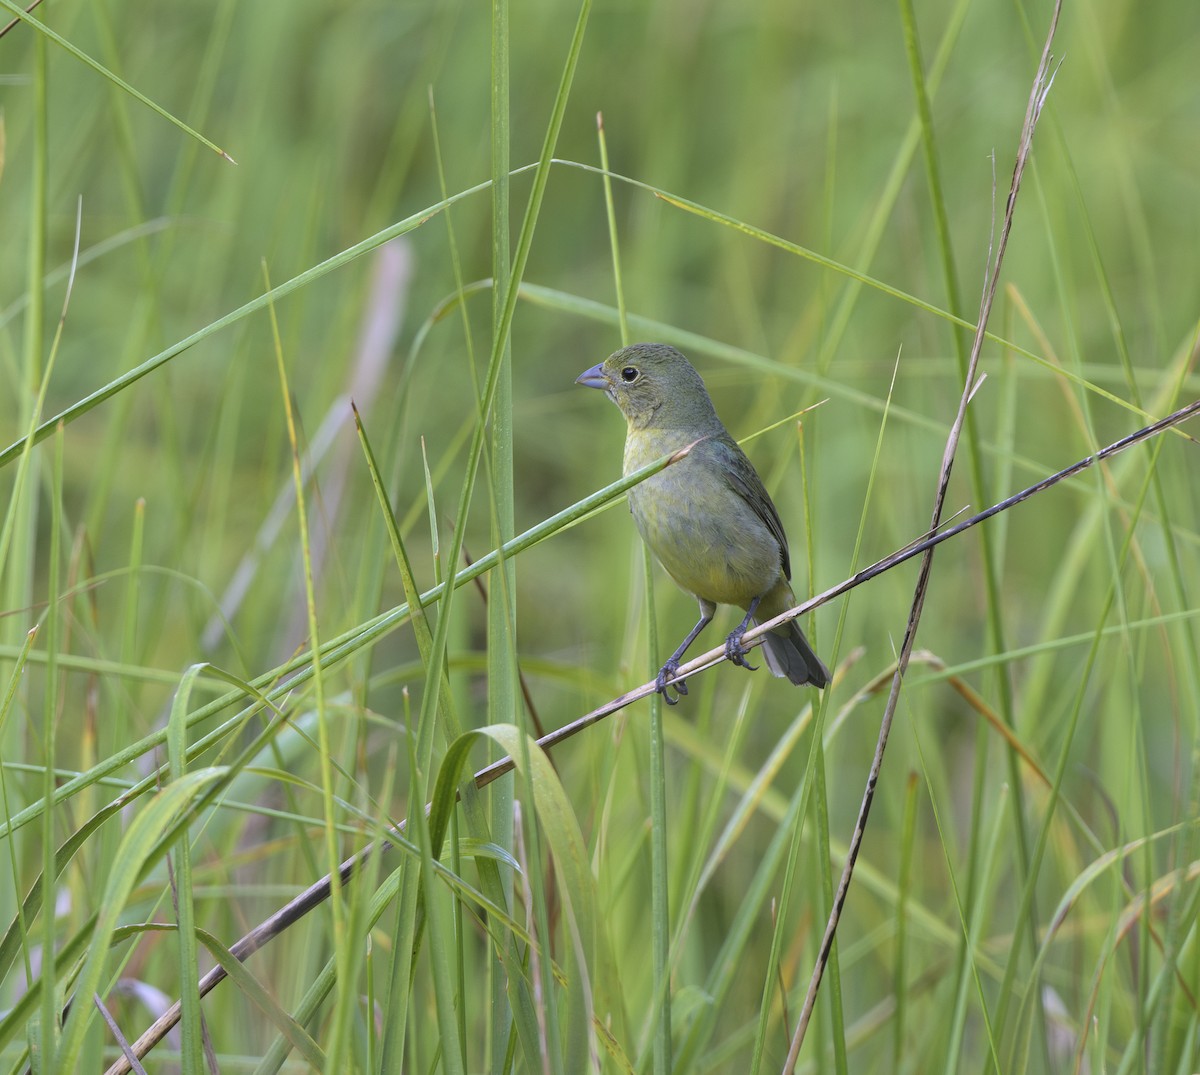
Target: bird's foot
[
  {"x": 663, "y": 684},
  {"x": 736, "y": 652}
]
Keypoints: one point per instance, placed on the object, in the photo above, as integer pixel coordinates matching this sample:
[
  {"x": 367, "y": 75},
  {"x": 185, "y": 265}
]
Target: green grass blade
[
  {"x": 138, "y": 845},
  {"x": 308, "y": 276},
  {"x": 185, "y": 909},
  {"x": 254, "y": 991},
  {"x": 103, "y": 71}
]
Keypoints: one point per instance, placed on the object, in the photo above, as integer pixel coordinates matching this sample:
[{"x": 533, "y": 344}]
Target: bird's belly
[{"x": 707, "y": 537}]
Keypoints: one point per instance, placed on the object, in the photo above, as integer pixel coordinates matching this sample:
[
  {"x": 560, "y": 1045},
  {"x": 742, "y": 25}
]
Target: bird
[{"x": 707, "y": 517}]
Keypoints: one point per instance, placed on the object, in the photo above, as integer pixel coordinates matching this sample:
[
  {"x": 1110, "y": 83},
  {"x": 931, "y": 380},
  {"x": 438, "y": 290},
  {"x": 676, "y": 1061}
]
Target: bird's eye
[{"x": 629, "y": 374}]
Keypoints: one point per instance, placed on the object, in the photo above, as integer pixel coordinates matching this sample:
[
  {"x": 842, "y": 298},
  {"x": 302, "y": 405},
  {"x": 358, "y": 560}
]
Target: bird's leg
[
  {"x": 734, "y": 650},
  {"x": 668, "y": 670}
]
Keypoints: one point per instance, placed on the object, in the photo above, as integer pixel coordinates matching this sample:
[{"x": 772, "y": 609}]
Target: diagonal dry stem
[{"x": 318, "y": 892}]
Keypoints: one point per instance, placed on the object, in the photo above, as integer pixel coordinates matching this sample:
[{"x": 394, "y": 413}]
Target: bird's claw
[
  {"x": 663, "y": 684},
  {"x": 735, "y": 652}
]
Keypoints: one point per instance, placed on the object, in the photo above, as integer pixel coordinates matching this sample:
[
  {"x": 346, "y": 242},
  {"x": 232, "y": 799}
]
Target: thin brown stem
[{"x": 1037, "y": 99}]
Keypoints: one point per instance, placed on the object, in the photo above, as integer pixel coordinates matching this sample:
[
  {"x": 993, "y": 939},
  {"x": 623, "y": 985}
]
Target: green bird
[{"x": 707, "y": 518}]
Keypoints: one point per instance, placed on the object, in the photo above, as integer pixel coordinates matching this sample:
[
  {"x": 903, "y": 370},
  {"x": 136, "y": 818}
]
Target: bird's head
[{"x": 655, "y": 386}]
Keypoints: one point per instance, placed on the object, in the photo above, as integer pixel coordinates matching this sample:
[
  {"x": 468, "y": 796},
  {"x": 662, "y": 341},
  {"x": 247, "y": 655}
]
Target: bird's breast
[{"x": 706, "y": 536}]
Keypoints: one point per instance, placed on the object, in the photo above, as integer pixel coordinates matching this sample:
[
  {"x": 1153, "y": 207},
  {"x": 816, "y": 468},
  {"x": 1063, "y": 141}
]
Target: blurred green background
[{"x": 797, "y": 120}]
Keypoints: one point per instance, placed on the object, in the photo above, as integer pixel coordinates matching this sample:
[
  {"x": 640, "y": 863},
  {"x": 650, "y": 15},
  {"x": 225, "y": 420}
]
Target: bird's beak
[{"x": 593, "y": 378}]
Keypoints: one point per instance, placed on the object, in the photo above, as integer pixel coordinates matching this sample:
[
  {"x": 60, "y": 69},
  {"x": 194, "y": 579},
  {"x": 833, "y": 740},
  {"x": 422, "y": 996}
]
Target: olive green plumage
[{"x": 708, "y": 518}]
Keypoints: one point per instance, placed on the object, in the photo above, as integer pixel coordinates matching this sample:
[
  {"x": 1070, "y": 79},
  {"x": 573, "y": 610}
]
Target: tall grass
[{"x": 246, "y": 636}]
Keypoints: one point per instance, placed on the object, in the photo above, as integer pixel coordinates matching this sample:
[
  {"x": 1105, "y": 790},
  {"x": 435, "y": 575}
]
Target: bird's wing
[{"x": 748, "y": 485}]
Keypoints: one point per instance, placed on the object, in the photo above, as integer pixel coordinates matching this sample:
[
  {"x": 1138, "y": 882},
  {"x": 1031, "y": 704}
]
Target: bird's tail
[{"x": 789, "y": 656}]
